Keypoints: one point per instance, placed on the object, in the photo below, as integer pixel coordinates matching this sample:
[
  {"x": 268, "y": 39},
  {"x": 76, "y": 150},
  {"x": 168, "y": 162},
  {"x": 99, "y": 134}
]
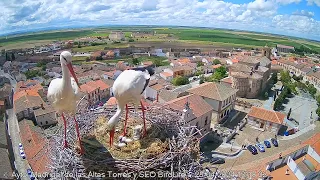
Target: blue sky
[{"x": 299, "y": 18}]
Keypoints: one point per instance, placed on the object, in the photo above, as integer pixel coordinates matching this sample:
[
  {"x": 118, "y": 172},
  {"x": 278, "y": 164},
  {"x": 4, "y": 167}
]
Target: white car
[
  {"x": 20, "y": 146},
  {"x": 22, "y": 154}
]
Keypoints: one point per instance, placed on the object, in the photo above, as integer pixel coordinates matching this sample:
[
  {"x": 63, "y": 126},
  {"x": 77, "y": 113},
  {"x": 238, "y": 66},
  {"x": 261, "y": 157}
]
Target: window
[
  {"x": 41, "y": 123},
  {"x": 46, "y": 122},
  {"x": 197, "y": 124},
  {"x": 221, "y": 115},
  {"x": 206, "y": 121}
]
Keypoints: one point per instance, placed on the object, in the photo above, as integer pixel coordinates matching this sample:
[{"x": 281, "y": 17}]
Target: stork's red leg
[
  {"x": 125, "y": 122},
  {"x": 111, "y": 133},
  {"x": 78, "y": 135},
  {"x": 65, "y": 130},
  {"x": 144, "y": 120}
]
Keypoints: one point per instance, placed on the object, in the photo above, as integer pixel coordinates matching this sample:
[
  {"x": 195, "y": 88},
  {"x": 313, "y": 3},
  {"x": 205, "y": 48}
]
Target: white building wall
[
  {"x": 150, "y": 93},
  {"x": 294, "y": 168},
  {"x": 50, "y": 118},
  {"x": 313, "y": 154},
  {"x": 168, "y": 71}
]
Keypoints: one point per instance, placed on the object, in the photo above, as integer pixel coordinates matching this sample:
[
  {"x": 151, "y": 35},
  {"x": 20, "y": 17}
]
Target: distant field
[
  {"x": 63, "y": 35},
  {"x": 214, "y": 37},
  {"x": 99, "y": 47}
]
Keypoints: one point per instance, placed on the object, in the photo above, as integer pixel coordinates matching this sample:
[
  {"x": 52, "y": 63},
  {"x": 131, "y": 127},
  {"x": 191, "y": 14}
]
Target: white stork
[
  {"x": 64, "y": 92},
  {"x": 128, "y": 88}
]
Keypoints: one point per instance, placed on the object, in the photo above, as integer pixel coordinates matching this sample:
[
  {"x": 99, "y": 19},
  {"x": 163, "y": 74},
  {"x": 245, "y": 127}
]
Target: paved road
[
  {"x": 13, "y": 126},
  {"x": 21, "y": 164}
]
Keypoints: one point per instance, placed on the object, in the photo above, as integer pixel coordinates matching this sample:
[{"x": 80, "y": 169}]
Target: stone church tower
[{"x": 266, "y": 51}]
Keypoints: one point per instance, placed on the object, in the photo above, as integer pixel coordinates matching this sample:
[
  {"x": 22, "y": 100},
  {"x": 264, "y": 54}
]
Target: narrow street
[
  {"x": 14, "y": 133},
  {"x": 13, "y": 126}
]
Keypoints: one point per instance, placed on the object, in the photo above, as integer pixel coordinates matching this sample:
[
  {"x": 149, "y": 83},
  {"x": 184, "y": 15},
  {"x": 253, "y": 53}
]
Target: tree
[
  {"x": 135, "y": 61},
  {"x": 79, "y": 46},
  {"x": 131, "y": 40},
  {"x": 312, "y": 90},
  {"x": 285, "y": 76},
  {"x": 216, "y": 61},
  {"x": 220, "y": 73},
  {"x": 199, "y": 64},
  {"x": 87, "y": 59},
  {"x": 201, "y": 79},
  {"x": 266, "y": 95},
  {"x": 274, "y": 78},
  {"x": 180, "y": 80},
  {"x": 318, "y": 111}
]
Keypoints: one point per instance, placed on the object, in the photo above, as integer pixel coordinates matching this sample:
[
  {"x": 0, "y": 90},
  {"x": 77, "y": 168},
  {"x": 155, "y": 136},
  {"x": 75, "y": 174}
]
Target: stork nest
[
  {"x": 150, "y": 146},
  {"x": 169, "y": 145}
]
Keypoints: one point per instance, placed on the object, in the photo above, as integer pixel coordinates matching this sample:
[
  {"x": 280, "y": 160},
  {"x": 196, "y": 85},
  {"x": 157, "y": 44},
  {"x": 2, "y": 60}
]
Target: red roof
[
  {"x": 267, "y": 115},
  {"x": 87, "y": 89},
  {"x": 216, "y": 66},
  {"x": 34, "y": 146},
  {"x": 112, "y": 101},
  {"x": 166, "y": 74},
  {"x": 227, "y": 80},
  {"x": 274, "y": 62},
  {"x": 102, "y": 85},
  {"x": 196, "y": 103}
]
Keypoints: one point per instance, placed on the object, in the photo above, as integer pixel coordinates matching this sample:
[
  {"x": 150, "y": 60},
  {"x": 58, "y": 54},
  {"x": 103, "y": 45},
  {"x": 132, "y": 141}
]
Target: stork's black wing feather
[
  {"x": 143, "y": 69},
  {"x": 145, "y": 85}
]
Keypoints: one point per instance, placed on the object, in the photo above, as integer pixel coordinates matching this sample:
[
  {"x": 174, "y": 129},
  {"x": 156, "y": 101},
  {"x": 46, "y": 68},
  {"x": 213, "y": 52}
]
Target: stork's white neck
[
  {"x": 66, "y": 81},
  {"x": 114, "y": 120}
]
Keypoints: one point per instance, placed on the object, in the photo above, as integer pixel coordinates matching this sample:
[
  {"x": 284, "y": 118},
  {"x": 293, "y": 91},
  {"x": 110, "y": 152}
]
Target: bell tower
[{"x": 266, "y": 51}]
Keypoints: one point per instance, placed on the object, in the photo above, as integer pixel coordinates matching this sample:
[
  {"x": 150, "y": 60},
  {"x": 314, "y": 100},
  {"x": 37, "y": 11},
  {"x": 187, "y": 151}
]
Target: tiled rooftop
[
  {"x": 212, "y": 90},
  {"x": 197, "y": 104},
  {"x": 267, "y": 115},
  {"x": 34, "y": 145}
]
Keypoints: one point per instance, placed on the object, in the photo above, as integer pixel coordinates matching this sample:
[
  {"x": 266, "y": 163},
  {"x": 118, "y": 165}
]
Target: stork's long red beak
[{"x": 69, "y": 65}]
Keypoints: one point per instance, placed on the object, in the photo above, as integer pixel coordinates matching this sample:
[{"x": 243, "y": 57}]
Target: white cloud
[
  {"x": 303, "y": 13},
  {"x": 311, "y": 2},
  {"x": 257, "y": 15}
]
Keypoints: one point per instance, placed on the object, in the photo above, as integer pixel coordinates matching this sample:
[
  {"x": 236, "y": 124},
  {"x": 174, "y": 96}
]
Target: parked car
[
  {"x": 274, "y": 142},
  {"x": 20, "y": 146},
  {"x": 22, "y": 154},
  {"x": 217, "y": 160},
  {"x": 267, "y": 143},
  {"x": 252, "y": 149},
  {"x": 260, "y": 147},
  {"x": 30, "y": 174}
]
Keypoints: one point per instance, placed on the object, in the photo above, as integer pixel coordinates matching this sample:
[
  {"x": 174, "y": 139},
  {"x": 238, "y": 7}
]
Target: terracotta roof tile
[
  {"x": 227, "y": 80},
  {"x": 212, "y": 90},
  {"x": 216, "y": 66},
  {"x": 197, "y": 104},
  {"x": 166, "y": 74},
  {"x": 34, "y": 146},
  {"x": 87, "y": 89},
  {"x": 102, "y": 85},
  {"x": 267, "y": 115},
  {"x": 179, "y": 68},
  {"x": 274, "y": 62},
  {"x": 157, "y": 87},
  {"x": 314, "y": 142},
  {"x": 111, "y": 102}
]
